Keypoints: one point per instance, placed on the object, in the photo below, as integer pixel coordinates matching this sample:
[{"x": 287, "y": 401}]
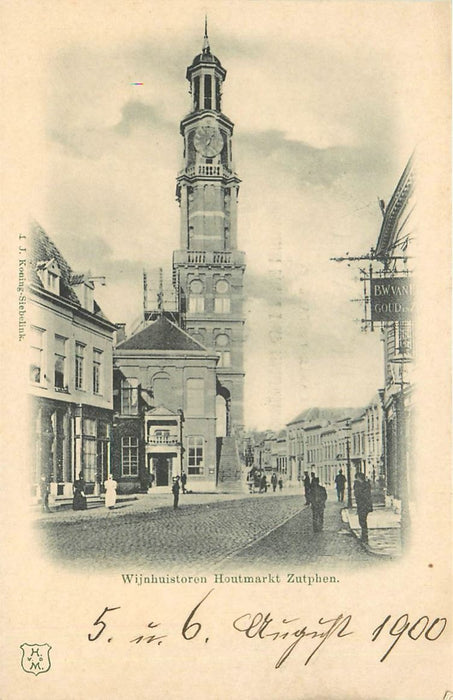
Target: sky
[{"x": 323, "y": 97}]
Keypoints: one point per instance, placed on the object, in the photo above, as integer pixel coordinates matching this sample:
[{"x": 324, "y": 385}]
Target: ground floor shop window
[
  {"x": 129, "y": 456},
  {"x": 195, "y": 454},
  {"x": 89, "y": 459}
]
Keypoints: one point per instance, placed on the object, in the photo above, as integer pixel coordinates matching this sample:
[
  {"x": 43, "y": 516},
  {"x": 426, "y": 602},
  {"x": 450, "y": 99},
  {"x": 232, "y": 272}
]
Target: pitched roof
[
  {"x": 323, "y": 414},
  {"x": 162, "y": 335},
  {"x": 42, "y": 250}
]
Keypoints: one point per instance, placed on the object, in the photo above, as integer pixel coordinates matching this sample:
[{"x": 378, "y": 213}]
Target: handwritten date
[{"x": 263, "y": 626}]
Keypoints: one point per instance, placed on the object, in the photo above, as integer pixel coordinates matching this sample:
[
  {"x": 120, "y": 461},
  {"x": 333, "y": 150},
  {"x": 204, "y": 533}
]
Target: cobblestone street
[
  {"x": 294, "y": 542},
  {"x": 205, "y": 531}
]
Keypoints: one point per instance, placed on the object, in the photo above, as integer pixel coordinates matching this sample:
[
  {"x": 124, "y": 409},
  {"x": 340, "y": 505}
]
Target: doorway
[{"x": 162, "y": 467}]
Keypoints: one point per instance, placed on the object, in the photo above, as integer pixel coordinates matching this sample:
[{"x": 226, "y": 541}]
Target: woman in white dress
[{"x": 110, "y": 492}]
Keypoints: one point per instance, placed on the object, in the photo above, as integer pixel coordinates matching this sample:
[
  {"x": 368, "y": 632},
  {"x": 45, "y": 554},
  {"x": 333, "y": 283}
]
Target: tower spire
[{"x": 206, "y": 47}]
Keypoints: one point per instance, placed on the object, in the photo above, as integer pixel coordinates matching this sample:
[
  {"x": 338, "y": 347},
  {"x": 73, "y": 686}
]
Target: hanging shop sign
[{"x": 391, "y": 298}]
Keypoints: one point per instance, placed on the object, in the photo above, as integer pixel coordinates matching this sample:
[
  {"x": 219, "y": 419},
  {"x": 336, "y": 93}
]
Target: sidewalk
[
  {"x": 139, "y": 503},
  {"x": 384, "y": 530}
]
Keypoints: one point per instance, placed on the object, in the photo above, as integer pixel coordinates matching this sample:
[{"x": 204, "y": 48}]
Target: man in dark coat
[
  {"x": 175, "y": 491},
  {"x": 362, "y": 493},
  {"x": 184, "y": 482},
  {"x": 340, "y": 481},
  {"x": 274, "y": 481},
  {"x": 307, "y": 488},
  {"x": 318, "y": 498}
]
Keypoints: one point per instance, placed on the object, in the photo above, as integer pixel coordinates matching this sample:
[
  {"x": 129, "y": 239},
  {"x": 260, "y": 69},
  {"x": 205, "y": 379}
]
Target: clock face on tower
[{"x": 208, "y": 141}]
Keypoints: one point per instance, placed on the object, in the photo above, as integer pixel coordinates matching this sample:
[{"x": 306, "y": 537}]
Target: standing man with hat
[{"x": 175, "y": 491}]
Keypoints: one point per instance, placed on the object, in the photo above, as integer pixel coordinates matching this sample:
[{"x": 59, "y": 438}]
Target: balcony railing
[
  {"x": 196, "y": 256},
  {"x": 206, "y": 169},
  {"x": 162, "y": 440},
  {"x": 207, "y": 257}
]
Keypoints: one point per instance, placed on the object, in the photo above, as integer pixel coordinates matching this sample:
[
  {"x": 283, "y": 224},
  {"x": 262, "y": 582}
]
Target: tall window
[
  {"x": 129, "y": 396},
  {"x": 217, "y": 94},
  {"x": 196, "y": 298},
  {"x": 36, "y": 354},
  {"x": 97, "y": 371},
  {"x": 207, "y": 91},
  {"x": 89, "y": 449},
  {"x": 222, "y": 299},
  {"x": 196, "y": 93},
  {"x": 129, "y": 456},
  {"x": 195, "y": 454},
  {"x": 222, "y": 342},
  {"x": 195, "y": 397},
  {"x": 79, "y": 365},
  {"x": 60, "y": 362}
]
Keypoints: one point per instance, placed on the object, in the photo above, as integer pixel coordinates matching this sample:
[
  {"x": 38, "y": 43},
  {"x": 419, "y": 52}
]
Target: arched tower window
[
  {"x": 222, "y": 346},
  {"x": 196, "y": 93},
  {"x": 196, "y": 298},
  {"x": 207, "y": 92},
  {"x": 222, "y": 303}
]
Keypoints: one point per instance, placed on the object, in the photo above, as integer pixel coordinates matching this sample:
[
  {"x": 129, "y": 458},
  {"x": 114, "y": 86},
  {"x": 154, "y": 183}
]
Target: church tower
[{"x": 208, "y": 268}]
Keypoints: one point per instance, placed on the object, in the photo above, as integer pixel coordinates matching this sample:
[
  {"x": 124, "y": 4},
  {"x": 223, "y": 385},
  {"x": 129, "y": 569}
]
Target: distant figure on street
[
  {"x": 274, "y": 481},
  {"x": 307, "y": 485},
  {"x": 263, "y": 484},
  {"x": 79, "y": 501},
  {"x": 313, "y": 477},
  {"x": 184, "y": 482},
  {"x": 340, "y": 481},
  {"x": 318, "y": 498},
  {"x": 110, "y": 486},
  {"x": 45, "y": 491},
  {"x": 280, "y": 483},
  {"x": 175, "y": 491},
  {"x": 257, "y": 480},
  {"x": 362, "y": 493}
]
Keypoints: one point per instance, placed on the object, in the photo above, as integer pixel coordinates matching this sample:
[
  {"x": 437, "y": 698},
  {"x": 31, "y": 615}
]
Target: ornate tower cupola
[{"x": 206, "y": 76}]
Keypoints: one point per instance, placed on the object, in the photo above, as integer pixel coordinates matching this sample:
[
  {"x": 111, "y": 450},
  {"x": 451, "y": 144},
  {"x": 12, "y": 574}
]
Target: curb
[{"x": 365, "y": 545}]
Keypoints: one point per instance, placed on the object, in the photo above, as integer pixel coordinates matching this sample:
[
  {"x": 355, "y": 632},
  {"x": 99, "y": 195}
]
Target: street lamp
[{"x": 348, "y": 463}]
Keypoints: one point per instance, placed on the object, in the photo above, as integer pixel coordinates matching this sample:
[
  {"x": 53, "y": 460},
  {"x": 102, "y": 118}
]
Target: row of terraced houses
[{"x": 320, "y": 440}]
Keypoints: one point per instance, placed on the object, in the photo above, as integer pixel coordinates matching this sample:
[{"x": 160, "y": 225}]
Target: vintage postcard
[{"x": 226, "y": 352}]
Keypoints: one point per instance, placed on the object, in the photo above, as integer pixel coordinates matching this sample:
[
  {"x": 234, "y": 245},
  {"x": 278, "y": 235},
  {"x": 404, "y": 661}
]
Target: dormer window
[
  {"x": 49, "y": 274},
  {"x": 84, "y": 288}
]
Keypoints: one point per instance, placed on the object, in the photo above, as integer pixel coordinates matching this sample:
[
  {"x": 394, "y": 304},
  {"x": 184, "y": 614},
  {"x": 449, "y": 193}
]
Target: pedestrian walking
[
  {"x": 45, "y": 492},
  {"x": 364, "y": 503},
  {"x": 313, "y": 477},
  {"x": 110, "y": 486},
  {"x": 184, "y": 482},
  {"x": 79, "y": 500},
  {"x": 274, "y": 481},
  {"x": 263, "y": 484},
  {"x": 318, "y": 498},
  {"x": 280, "y": 483},
  {"x": 307, "y": 485},
  {"x": 340, "y": 481},
  {"x": 175, "y": 491}
]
